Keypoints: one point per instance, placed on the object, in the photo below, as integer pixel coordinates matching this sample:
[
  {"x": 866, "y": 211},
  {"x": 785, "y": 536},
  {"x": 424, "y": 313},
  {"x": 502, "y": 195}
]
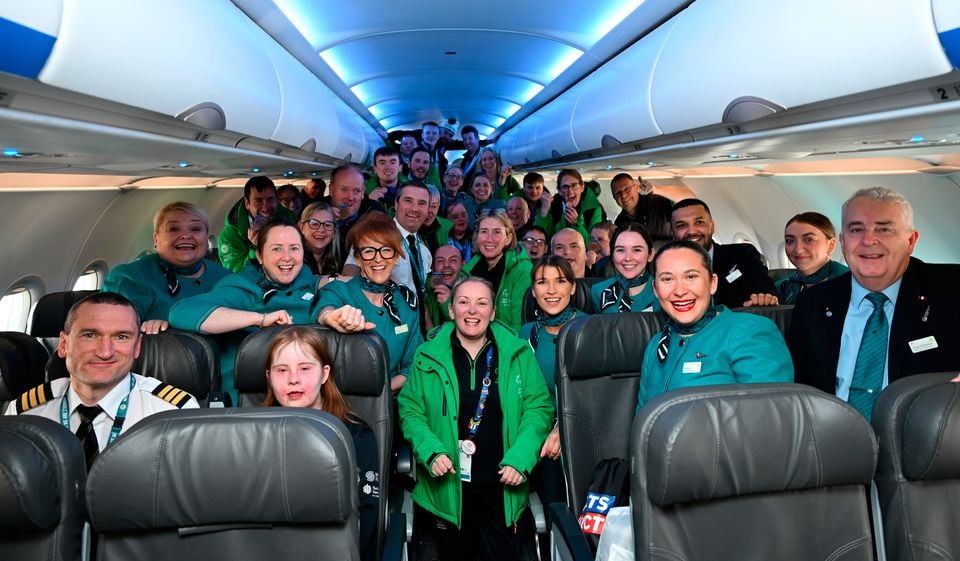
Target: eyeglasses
[
  {"x": 454, "y": 176},
  {"x": 569, "y": 186},
  {"x": 370, "y": 253},
  {"x": 317, "y": 225},
  {"x": 534, "y": 241}
]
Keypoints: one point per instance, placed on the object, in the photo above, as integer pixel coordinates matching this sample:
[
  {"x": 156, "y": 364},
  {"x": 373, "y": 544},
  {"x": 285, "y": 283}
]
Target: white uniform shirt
[{"x": 142, "y": 403}]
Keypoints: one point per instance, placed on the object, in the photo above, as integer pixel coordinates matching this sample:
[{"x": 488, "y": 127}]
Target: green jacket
[
  {"x": 513, "y": 286},
  {"x": 235, "y": 248},
  {"x": 590, "y": 214},
  {"x": 431, "y": 394},
  {"x": 509, "y": 188}
]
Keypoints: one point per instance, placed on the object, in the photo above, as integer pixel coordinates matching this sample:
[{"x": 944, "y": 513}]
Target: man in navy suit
[
  {"x": 743, "y": 279},
  {"x": 922, "y": 307}
]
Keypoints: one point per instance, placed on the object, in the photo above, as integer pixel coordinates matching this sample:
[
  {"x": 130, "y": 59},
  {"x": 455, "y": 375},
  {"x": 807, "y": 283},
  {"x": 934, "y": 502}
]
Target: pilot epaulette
[
  {"x": 35, "y": 397},
  {"x": 172, "y": 394}
]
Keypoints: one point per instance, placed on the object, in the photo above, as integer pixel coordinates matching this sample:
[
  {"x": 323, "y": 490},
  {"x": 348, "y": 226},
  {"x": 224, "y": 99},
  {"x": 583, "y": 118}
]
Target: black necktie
[
  {"x": 415, "y": 269},
  {"x": 88, "y": 438}
]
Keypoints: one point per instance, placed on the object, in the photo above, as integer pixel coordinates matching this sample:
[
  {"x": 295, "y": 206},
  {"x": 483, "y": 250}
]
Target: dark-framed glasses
[{"x": 370, "y": 253}]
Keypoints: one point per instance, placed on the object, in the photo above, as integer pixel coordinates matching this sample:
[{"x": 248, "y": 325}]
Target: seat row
[{"x": 756, "y": 471}]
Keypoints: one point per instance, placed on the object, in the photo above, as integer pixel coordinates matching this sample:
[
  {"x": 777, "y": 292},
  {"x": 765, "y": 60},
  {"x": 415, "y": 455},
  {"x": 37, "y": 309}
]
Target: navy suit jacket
[
  {"x": 753, "y": 274},
  {"x": 927, "y": 305}
]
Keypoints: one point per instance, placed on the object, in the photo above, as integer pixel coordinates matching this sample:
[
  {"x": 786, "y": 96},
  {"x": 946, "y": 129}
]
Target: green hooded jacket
[
  {"x": 590, "y": 211},
  {"x": 513, "y": 286},
  {"x": 428, "y": 406},
  {"x": 234, "y": 246}
]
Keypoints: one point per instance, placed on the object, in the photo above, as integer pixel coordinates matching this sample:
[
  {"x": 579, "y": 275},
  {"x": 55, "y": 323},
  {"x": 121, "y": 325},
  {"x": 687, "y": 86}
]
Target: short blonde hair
[{"x": 180, "y": 206}]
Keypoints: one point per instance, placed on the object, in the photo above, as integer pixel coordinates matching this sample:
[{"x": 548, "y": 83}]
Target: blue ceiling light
[
  {"x": 255, "y": 169},
  {"x": 11, "y": 152},
  {"x": 511, "y": 109},
  {"x": 298, "y": 14},
  {"x": 313, "y": 174},
  {"x": 917, "y": 138},
  {"x": 532, "y": 90},
  {"x": 497, "y": 121},
  {"x": 378, "y": 111},
  {"x": 183, "y": 163},
  {"x": 613, "y": 18},
  {"x": 733, "y": 156},
  {"x": 335, "y": 64},
  {"x": 569, "y": 56},
  {"x": 609, "y": 167},
  {"x": 362, "y": 94}
]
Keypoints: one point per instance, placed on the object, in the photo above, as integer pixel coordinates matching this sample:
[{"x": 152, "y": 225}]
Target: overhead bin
[
  {"x": 178, "y": 57},
  {"x": 788, "y": 53},
  {"x": 738, "y": 60}
]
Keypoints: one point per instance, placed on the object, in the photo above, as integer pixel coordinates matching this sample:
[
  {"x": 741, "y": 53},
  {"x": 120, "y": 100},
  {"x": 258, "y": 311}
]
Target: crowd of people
[{"x": 437, "y": 258}]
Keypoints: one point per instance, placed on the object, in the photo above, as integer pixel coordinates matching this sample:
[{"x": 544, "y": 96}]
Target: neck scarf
[
  {"x": 619, "y": 292},
  {"x": 170, "y": 275},
  {"x": 389, "y": 290},
  {"x": 793, "y": 285},
  {"x": 542, "y": 319},
  {"x": 663, "y": 345},
  {"x": 269, "y": 287}
]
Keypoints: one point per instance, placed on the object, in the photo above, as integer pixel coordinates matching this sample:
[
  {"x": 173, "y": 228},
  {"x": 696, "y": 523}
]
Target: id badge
[
  {"x": 734, "y": 275},
  {"x": 466, "y": 464}
]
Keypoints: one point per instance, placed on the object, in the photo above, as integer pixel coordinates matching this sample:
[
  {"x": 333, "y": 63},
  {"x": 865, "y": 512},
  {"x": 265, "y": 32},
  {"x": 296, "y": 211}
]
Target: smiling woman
[
  {"x": 178, "y": 270},
  {"x": 277, "y": 291}
]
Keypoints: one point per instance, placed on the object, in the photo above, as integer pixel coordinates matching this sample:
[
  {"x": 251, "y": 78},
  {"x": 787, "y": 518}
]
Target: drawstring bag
[{"x": 609, "y": 487}]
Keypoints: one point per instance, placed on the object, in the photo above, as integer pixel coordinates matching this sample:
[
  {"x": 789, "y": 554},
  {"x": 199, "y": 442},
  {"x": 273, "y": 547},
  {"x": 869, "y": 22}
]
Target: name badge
[
  {"x": 308, "y": 296},
  {"x": 466, "y": 465},
  {"x": 400, "y": 329},
  {"x": 692, "y": 367},
  {"x": 734, "y": 275},
  {"x": 923, "y": 344}
]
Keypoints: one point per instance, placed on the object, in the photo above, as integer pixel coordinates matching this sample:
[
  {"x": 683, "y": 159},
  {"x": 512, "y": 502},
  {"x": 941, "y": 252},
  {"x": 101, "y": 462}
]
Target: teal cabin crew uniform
[
  {"x": 402, "y": 338},
  {"x": 513, "y": 285},
  {"x": 546, "y": 352},
  {"x": 428, "y": 406},
  {"x": 243, "y": 291},
  {"x": 235, "y": 248},
  {"x": 734, "y": 348},
  {"x": 792, "y": 285},
  {"x": 145, "y": 284},
  {"x": 645, "y": 301}
]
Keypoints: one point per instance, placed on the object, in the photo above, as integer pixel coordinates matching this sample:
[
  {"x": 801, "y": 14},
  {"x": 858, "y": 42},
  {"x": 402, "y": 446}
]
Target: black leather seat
[
  {"x": 780, "y": 315},
  {"x": 917, "y": 420},
  {"x": 760, "y": 471},
  {"x": 50, "y": 314},
  {"x": 189, "y": 361},
  {"x": 360, "y": 370},
  {"x": 22, "y": 363},
  {"x": 42, "y": 473},
  {"x": 777, "y": 274},
  {"x": 598, "y": 369},
  {"x": 229, "y": 484},
  {"x": 580, "y": 300}
]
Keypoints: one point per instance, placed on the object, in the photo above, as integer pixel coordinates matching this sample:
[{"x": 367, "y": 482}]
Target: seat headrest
[
  {"x": 22, "y": 363},
  {"x": 29, "y": 488},
  {"x": 219, "y": 466},
  {"x": 723, "y": 441},
  {"x": 359, "y": 361},
  {"x": 51, "y": 312},
  {"x": 185, "y": 360},
  {"x": 931, "y": 434},
  {"x": 779, "y": 315},
  {"x": 606, "y": 345}
]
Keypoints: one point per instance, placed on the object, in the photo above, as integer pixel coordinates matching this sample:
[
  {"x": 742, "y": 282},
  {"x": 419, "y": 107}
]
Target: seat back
[
  {"x": 22, "y": 363},
  {"x": 598, "y": 369},
  {"x": 360, "y": 370},
  {"x": 42, "y": 472},
  {"x": 777, "y": 274},
  {"x": 227, "y": 484},
  {"x": 757, "y": 471},
  {"x": 50, "y": 314},
  {"x": 917, "y": 420},
  {"x": 780, "y": 315},
  {"x": 186, "y": 360},
  {"x": 580, "y": 299}
]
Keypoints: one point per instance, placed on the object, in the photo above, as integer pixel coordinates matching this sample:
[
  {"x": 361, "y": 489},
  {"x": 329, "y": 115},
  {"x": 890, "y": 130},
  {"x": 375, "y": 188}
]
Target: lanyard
[
  {"x": 474, "y": 423},
  {"x": 117, "y": 420}
]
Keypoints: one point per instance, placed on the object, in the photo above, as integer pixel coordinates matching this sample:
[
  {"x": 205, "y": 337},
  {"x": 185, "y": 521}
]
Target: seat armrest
[
  {"x": 394, "y": 541},
  {"x": 566, "y": 537},
  {"x": 403, "y": 458}
]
